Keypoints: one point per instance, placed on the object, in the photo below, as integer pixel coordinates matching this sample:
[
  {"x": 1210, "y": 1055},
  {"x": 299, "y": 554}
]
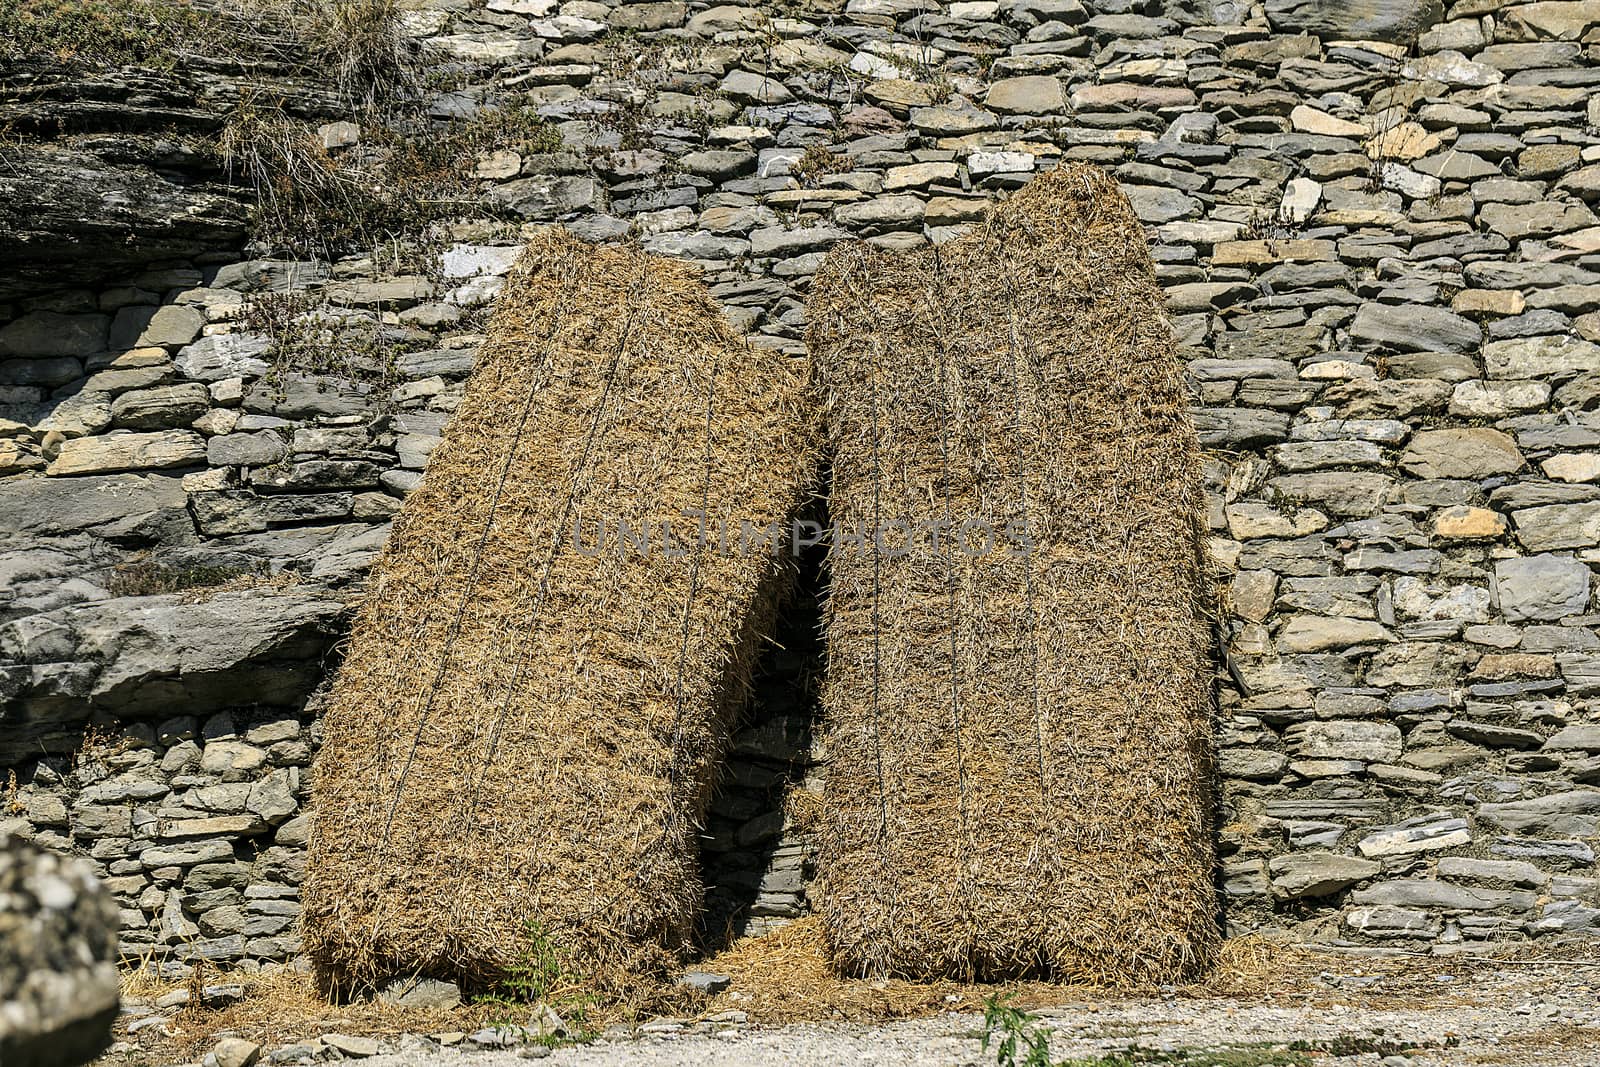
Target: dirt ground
[{"x": 1264, "y": 1006}]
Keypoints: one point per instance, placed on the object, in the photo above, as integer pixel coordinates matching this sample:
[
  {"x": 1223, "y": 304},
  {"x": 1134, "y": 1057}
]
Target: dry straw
[
  {"x": 1017, "y": 738},
  {"x": 521, "y": 741}
]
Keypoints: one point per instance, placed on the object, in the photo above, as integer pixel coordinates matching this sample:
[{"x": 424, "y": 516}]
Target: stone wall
[{"x": 1380, "y": 260}]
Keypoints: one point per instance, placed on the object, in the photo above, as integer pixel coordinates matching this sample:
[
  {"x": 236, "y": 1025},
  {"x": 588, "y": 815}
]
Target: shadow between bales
[{"x": 754, "y": 864}]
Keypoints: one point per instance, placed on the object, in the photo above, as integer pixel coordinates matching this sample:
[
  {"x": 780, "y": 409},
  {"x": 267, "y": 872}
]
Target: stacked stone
[
  {"x": 1375, "y": 229},
  {"x": 194, "y": 825}
]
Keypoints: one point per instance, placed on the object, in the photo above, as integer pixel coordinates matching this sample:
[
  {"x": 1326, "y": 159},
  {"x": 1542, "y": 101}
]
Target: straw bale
[
  {"x": 521, "y": 740},
  {"x": 1017, "y": 735}
]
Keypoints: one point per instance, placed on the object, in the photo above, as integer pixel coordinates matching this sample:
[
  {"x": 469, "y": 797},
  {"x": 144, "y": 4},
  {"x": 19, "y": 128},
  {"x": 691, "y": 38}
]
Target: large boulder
[{"x": 58, "y": 953}]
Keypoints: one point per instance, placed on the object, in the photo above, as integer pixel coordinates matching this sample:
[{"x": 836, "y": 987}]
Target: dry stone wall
[{"x": 1374, "y": 222}]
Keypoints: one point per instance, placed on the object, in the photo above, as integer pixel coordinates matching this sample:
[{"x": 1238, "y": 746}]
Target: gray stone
[
  {"x": 260, "y": 448},
  {"x": 1370, "y": 20},
  {"x": 704, "y": 981},
  {"x": 235, "y": 1052},
  {"x": 749, "y": 88},
  {"x": 1426, "y": 833},
  {"x": 1385, "y": 921},
  {"x": 1476, "y": 452},
  {"x": 149, "y": 654},
  {"x": 1315, "y": 633},
  {"x": 272, "y": 797},
  {"x": 1419, "y": 893},
  {"x": 171, "y": 326},
  {"x": 49, "y": 333},
  {"x": 1411, "y": 328},
  {"x": 548, "y": 197},
  {"x": 1575, "y": 814},
  {"x": 1156, "y": 205},
  {"x": 1540, "y": 357},
  {"x": 298, "y": 396},
  {"x": 1371, "y": 742},
  {"x": 129, "y": 451},
  {"x": 1028, "y": 95},
  {"x": 353, "y": 1047},
  {"x": 232, "y": 355},
  {"x": 1556, "y": 526},
  {"x": 1579, "y": 737},
  {"x": 164, "y": 407},
  {"x": 1317, "y": 874},
  {"x": 1514, "y": 872},
  {"x": 1541, "y": 587},
  {"x": 421, "y": 993},
  {"x": 1535, "y": 220}
]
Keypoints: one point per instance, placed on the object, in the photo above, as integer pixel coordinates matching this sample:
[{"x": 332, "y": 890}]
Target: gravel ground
[{"x": 1546, "y": 1016}]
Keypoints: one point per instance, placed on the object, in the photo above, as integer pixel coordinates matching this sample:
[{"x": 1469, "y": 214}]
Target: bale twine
[
  {"x": 1017, "y": 735},
  {"x": 521, "y": 741}
]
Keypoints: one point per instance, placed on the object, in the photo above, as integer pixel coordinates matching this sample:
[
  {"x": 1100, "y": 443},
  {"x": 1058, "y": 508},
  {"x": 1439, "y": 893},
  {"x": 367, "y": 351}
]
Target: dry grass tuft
[
  {"x": 522, "y": 739},
  {"x": 1017, "y": 710}
]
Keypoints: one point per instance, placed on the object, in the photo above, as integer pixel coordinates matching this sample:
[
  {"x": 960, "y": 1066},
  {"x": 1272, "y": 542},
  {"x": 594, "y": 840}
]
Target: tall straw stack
[
  {"x": 521, "y": 741},
  {"x": 1017, "y": 735}
]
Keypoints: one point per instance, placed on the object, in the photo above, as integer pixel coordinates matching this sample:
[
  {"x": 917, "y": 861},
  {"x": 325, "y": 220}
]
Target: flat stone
[
  {"x": 1310, "y": 120},
  {"x": 353, "y": 1047},
  {"x": 1496, "y": 399},
  {"x": 162, "y": 407},
  {"x": 41, "y": 334},
  {"x": 423, "y": 993},
  {"x": 171, "y": 326},
  {"x": 1131, "y": 96},
  {"x": 1579, "y": 737},
  {"x": 704, "y": 981},
  {"x": 1463, "y": 522},
  {"x": 1156, "y": 205},
  {"x": 1369, "y": 20},
  {"x": 1476, "y": 452},
  {"x": 1300, "y": 875},
  {"x": 1315, "y": 633},
  {"x": 1488, "y": 302},
  {"x": 919, "y": 175},
  {"x": 1541, "y": 587},
  {"x": 1425, "y": 893},
  {"x": 1571, "y": 814},
  {"x": 1513, "y": 872},
  {"x": 1540, "y": 357},
  {"x": 1414, "y": 329},
  {"x": 223, "y": 356},
  {"x": 1028, "y": 95},
  {"x": 1451, "y": 68},
  {"x": 1425, "y": 833},
  {"x": 1543, "y": 219},
  {"x": 548, "y": 197},
  {"x": 751, "y": 88},
  {"x": 1557, "y": 526},
  {"x": 1369, "y": 742},
  {"x": 128, "y": 452}
]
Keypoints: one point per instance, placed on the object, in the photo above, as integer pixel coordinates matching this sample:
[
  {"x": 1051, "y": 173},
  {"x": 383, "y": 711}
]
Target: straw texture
[
  {"x": 521, "y": 741},
  {"x": 1017, "y": 734}
]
